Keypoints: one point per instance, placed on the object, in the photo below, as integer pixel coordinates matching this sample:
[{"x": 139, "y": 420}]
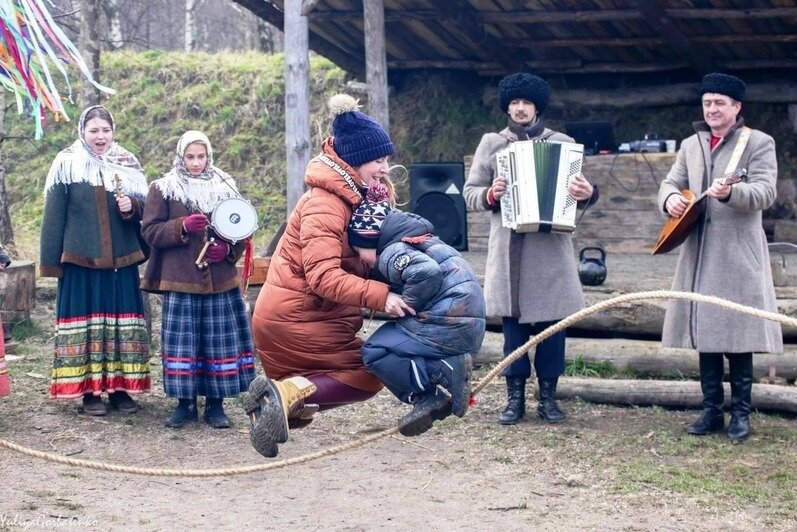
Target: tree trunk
[
  {"x": 6, "y": 230},
  {"x": 375, "y": 61},
  {"x": 88, "y": 44},
  {"x": 115, "y": 33},
  {"x": 673, "y": 394},
  {"x": 297, "y": 98},
  {"x": 190, "y": 25}
]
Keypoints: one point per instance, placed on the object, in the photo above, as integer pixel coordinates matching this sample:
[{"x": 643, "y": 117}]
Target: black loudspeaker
[{"x": 436, "y": 194}]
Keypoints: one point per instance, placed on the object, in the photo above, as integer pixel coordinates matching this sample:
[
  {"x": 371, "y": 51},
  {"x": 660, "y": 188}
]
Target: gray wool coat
[
  {"x": 540, "y": 266},
  {"x": 726, "y": 255}
]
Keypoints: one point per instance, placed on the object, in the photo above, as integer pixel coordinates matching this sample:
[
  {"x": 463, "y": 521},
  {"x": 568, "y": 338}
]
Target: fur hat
[
  {"x": 365, "y": 226},
  {"x": 726, "y": 84},
  {"x": 358, "y": 137},
  {"x": 526, "y": 86}
]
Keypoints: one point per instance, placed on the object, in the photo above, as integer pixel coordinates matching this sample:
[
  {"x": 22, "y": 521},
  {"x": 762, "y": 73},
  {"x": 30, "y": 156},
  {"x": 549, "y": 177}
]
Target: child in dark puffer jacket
[{"x": 416, "y": 355}]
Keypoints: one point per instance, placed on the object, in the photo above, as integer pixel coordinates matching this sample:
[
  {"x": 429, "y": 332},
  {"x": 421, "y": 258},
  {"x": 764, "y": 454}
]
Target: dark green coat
[{"x": 82, "y": 225}]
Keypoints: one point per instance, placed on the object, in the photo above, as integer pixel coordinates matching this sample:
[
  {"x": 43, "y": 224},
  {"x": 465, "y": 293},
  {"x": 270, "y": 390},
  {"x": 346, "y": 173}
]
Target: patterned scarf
[
  {"x": 78, "y": 164},
  {"x": 202, "y": 192},
  {"x": 528, "y": 132}
]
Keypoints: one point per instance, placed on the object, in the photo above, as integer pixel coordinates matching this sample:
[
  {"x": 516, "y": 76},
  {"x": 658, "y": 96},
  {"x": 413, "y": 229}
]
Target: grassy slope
[{"x": 237, "y": 100}]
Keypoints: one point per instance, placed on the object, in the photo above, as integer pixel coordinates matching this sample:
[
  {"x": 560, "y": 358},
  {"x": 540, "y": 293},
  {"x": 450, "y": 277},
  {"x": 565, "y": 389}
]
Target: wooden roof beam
[
  {"x": 465, "y": 21},
  {"x": 274, "y": 16},
  {"x": 602, "y": 15},
  {"x": 524, "y": 16},
  {"x": 659, "y": 20},
  {"x": 568, "y": 43},
  {"x": 574, "y": 66},
  {"x": 720, "y": 13},
  {"x": 646, "y": 41}
]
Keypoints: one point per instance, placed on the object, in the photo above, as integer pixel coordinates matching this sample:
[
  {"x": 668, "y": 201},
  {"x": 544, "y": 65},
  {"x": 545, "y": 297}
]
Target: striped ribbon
[{"x": 30, "y": 45}]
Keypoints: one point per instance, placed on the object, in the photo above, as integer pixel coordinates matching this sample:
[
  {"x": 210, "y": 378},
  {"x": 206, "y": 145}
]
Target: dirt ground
[{"x": 605, "y": 468}]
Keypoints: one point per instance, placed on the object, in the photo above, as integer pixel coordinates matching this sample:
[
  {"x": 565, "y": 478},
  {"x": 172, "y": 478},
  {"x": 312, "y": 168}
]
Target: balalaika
[{"x": 537, "y": 173}]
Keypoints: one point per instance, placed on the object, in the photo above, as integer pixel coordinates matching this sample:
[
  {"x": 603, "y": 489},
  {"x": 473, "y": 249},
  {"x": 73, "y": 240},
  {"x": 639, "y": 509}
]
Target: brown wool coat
[
  {"x": 542, "y": 266},
  {"x": 726, "y": 256},
  {"x": 172, "y": 262},
  {"x": 308, "y": 312}
]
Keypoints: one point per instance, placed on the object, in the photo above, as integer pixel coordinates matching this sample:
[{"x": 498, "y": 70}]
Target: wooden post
[
  {"x": 297, "y": 96},
  {"x": 17, "y": 291},
  {"x": 376, "y": 61}
]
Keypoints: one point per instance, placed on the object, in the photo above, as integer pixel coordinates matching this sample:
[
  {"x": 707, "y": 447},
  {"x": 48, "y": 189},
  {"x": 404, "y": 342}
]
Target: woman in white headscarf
[
  {"x": 90, "y": 240},
  {"x": 206, "y": 340}
]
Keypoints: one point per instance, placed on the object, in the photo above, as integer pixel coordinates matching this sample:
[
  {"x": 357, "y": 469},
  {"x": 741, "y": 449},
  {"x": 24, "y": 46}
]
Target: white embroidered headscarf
[
  {"x": 79, "y": 164},
  {"x": 202, "y": 192}
]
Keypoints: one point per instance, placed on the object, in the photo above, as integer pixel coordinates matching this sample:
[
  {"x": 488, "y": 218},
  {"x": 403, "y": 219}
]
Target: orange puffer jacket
[{"x": 308, "y": 312}]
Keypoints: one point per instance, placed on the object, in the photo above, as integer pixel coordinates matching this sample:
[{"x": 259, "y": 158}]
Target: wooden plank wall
[{"x": 625, "y": 219}]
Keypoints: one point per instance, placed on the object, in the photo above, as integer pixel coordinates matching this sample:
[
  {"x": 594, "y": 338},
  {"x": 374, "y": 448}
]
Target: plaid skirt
[
  {"x": 101, "y": 341},
  {"x": 207, "y": 345}
]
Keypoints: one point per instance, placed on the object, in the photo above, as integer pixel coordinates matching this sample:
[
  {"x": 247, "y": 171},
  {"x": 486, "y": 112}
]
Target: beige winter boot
[
  {"x": 269, "y": 404},
  {"x": 291, "y": 394}
]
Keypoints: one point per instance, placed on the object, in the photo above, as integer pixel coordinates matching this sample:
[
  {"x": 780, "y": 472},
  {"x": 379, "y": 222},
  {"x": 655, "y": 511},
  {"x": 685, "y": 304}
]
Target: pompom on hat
[
  {"x": 726, "y": 84},
  {"x": 358, "y": 137},
  {"x": 526, "y": 86},
  {"x": 365, "y": 226}
]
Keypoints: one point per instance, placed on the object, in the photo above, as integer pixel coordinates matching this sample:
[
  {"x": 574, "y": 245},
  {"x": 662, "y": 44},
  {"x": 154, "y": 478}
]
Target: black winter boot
[
  {"x": 516, "y": 401},
  {"x": 741, "y": 370},
  {"x": 214, "y": 413},
  {"x": 428, "y": 407},
  {"x": 548, "y": 409},
  {"x": 185, "y": 412},
  {"x": 712, "y": 419}
]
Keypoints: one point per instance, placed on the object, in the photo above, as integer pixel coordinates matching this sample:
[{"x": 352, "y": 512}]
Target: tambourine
[{"x": 233, "y": 219}]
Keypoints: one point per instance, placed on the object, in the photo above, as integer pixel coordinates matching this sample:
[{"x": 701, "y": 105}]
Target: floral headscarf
[
  {"x": 79, "y": 164},
  {"x": 202, "y": 192}
]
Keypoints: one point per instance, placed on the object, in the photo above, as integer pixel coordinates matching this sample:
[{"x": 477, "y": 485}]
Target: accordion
[{"x": 537, "y": 173}]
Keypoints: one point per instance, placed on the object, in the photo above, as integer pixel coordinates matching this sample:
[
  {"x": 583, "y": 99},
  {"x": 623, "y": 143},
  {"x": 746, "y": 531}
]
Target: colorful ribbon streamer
[{"x": 30, "y": 42}]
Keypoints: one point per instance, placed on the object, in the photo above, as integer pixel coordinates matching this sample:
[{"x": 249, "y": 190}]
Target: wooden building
[{"x": 609, "y": 54}]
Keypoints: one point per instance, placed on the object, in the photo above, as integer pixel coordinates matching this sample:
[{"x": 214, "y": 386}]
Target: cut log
[
  {"x": 673, "y": 394},
  {"x": 17, "y": 291},
  {"x": 644, "y": 357}
]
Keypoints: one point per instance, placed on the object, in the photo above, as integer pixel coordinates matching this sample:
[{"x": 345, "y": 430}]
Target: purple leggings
[{"x": 332, "y": 394}]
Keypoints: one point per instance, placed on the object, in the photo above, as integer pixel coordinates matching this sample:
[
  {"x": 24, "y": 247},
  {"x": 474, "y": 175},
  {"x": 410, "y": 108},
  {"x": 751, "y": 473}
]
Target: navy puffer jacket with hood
[{"x": 436, "y": 281}]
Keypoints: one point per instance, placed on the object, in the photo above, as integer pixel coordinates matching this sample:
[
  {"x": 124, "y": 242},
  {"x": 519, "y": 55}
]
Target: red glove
[
  {"x": 196, "y": 223},
  {"x": 217, "y": 252}
]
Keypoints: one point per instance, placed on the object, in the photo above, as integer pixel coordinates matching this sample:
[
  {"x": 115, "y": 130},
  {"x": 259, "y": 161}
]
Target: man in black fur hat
[
  {"x": 531, "y": 279},
  {"x": 726, "y": 255}
]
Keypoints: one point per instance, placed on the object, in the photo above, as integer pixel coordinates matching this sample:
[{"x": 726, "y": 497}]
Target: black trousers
[{"x": 549, "y": 357}]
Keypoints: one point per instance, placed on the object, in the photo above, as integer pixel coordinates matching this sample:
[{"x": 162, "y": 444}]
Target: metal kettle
[{"x": 592, "y": 270}]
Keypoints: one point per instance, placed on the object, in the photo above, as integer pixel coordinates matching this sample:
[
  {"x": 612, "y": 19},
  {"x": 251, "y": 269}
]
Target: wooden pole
[
  {"x": 376, "y": 61},
  {"x": 297, "y": 101}
]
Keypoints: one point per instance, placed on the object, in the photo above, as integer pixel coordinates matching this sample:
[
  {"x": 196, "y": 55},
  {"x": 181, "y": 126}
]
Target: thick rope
[{"x": 570, "y": 320}]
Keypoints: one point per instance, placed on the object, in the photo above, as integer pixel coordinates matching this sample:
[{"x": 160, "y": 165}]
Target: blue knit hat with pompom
[{"x": 358, "y": 137}]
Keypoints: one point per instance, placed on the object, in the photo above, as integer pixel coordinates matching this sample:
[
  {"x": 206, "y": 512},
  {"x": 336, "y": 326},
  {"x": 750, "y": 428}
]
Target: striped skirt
[
  {"x": 101, "y": 341},
  {"x": 207, "y": 345},
  {"x": 5, "y": 382}
]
